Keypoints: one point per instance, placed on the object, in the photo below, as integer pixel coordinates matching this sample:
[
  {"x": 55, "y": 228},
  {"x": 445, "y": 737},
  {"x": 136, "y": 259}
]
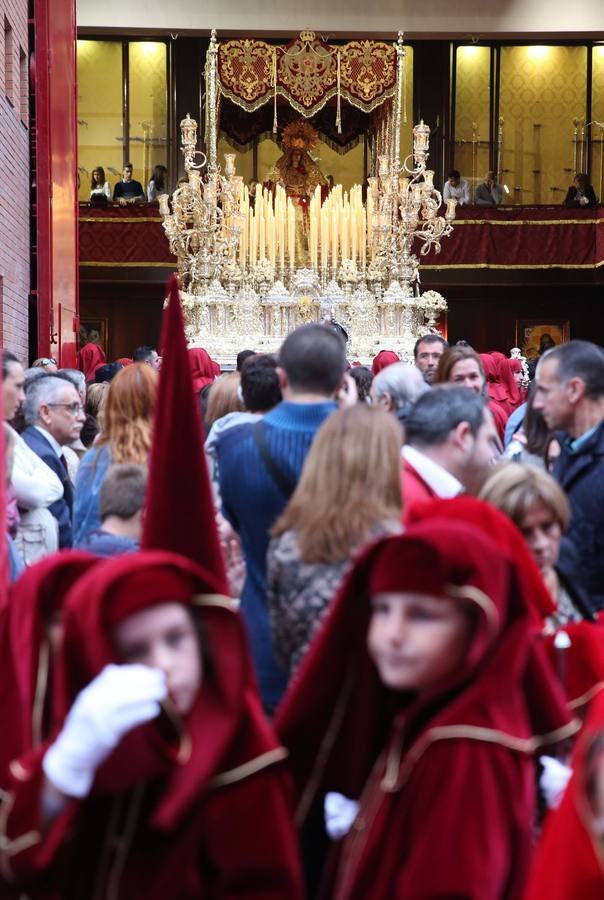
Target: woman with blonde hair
[
  {"x": 349, "y": 492},
  {"x": 538, "y": 507},
  {"x": 223, "y": 398},
  {"x": 125, "y": 438}
]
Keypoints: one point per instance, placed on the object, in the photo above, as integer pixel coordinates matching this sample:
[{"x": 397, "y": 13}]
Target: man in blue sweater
[{"x": 259, "y": 465}]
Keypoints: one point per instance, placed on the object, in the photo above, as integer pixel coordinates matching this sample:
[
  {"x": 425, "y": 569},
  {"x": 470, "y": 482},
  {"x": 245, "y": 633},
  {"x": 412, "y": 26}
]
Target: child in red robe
[
  {"x": 164, "y": 779},
  {"x": 424, "y": 699},
  {"x": 30, "y": 627},
  {"x": 569, "y": 862}
]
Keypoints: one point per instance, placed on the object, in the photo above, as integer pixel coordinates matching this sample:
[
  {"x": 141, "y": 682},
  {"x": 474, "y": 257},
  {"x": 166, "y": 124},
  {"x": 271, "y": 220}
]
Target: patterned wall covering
[
  {"x": 148, "y": 107},
  {"x": 597, "y": 113},
  {"x": 472, "y": 99},
  {"x": 542, "y": 90},
  {"x": 99, "y": 110}
]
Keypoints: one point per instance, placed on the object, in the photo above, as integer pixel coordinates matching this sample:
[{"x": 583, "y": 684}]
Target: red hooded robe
[
  {"x": 569, "y": 862},
  {"x": 90, "y": 358},
  {"x": 183, "y": 808},
  {"x": 202, "y": 368},
  {"x": 383, "y": 359},
  {"x": 579, "y": 667},
  {"x": 446, "y": 783}
]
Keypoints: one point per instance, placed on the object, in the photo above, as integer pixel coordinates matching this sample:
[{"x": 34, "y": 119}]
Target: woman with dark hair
[
  {"x": 580, "y": 193},
  {"x": 157, "y": 185},
  {"x": 99, "y": 187},
  {"x": 531, "y": 440},
  {"x": 462, "y": 366}
]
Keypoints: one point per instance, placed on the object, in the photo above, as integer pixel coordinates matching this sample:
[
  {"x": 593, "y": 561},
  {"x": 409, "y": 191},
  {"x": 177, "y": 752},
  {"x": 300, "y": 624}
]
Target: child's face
[
  {"x": 164, "y": 637},
  {"x": 417, "y": 640}
]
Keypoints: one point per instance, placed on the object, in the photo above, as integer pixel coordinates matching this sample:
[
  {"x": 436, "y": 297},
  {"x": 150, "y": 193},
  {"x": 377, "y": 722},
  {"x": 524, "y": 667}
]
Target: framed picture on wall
[
  {"x": 93, "y": 330},
  {"x": 535, "y": 336},
  {"x": 442, "y": 326}
]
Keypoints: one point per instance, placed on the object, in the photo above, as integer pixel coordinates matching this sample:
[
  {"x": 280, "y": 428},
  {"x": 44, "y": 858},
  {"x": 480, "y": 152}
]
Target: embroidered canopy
[{"x": 307, "y": 72}]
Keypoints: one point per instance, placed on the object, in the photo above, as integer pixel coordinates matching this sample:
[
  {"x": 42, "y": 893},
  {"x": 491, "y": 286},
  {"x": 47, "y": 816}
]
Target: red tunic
[
  {"x": 182, "y": 809},
  {"x": 569, "y": 862},
  {"x": 446, "y": 783}
]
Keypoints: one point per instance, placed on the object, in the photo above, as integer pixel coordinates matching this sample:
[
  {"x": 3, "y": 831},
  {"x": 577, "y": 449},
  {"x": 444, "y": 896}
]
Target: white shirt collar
[
  {"x": 440, "y": 480},
  {"x": 51, "y": 440}
]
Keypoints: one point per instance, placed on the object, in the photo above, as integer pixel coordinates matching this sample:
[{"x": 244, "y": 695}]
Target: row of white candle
[{"x": 338, "y": 227}]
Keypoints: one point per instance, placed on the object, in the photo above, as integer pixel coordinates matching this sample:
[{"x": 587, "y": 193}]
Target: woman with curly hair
[{"x": 125, "y": 438}]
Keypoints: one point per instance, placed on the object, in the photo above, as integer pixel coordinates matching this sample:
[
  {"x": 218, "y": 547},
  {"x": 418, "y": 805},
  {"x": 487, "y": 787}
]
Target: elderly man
[
  {"x": 450, "y": 444},
  {"x": 427, "y": 353},
  {"x": 570, "y": 396},
  {"x": 54, "y": 415},
  {"x": 397, "y": 387},
  {"x": 35, "y": 486},
  {"x": 489, "y": 193}
]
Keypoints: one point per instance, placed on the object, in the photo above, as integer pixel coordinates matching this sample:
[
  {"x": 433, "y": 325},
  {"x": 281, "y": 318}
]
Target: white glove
[
  {"x": 553, "y": 781},
  {"x": 340, "y": 813},
  {"x": 118, "y": 700}
]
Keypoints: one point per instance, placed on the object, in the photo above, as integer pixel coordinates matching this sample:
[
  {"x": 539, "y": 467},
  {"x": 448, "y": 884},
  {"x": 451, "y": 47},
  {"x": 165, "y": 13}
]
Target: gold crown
[{"x": 299, "y": 135}]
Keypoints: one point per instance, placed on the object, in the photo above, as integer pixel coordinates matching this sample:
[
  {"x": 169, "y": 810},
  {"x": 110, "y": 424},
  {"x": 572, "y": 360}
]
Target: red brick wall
[{"x": 14, "y": 177}]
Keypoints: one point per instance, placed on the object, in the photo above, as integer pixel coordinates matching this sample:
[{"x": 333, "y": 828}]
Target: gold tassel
[
  {"x": 275, "y": 87},
  {"x": 339, "y": 100}
]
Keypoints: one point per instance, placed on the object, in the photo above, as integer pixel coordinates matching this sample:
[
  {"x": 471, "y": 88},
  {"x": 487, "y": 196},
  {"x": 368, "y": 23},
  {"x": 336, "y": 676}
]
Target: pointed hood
[
  {"x": 384, "y": 359},
  {"x": 203, "y": 368},
  {"x": 90, "y": 358},
  {"x": 179, "y": 512}
]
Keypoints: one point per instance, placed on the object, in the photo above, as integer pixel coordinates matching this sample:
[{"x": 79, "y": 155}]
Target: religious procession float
[{"x": 255, "y": 263}]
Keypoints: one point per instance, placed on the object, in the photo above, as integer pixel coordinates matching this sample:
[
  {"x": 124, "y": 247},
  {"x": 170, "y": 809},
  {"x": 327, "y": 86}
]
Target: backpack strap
[{"x": 283, "y": 483}]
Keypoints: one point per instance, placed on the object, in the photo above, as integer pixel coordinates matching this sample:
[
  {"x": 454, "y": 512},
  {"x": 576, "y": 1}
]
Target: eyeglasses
[
  {"x": 46, "y": 362},
  {"x": 73, "y": 408}
]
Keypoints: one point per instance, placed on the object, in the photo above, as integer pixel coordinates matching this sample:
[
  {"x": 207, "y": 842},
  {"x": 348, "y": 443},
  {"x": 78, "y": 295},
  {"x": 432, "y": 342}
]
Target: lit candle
[
  {"x": 253, "y": 237},
  {"x": 291, "y": 233},
  {"x": 334, "y": 237}
]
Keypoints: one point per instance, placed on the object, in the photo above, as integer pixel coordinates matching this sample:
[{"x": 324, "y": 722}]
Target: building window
[{"x": 122, "y": 109}]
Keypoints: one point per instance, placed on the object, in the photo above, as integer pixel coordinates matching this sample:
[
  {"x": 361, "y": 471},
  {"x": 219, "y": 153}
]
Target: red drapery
[
  {"x": 123, "y": 236},
  {"x": 511, "y": 237},
  {"x": 531, "y": 237}
]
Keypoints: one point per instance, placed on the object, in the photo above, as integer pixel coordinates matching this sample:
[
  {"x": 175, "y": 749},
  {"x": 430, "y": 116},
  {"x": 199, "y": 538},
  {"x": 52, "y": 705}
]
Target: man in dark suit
[
  {"x": 54, "y": 415},
  {"x": 570, "y": 396}
]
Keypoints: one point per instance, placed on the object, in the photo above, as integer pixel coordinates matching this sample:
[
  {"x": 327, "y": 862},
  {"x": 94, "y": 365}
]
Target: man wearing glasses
[{"x": 54, "y": 415}]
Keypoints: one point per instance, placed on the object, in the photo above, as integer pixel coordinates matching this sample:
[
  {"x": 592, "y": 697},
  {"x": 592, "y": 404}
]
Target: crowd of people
[{"x": 306, "y": 628}]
